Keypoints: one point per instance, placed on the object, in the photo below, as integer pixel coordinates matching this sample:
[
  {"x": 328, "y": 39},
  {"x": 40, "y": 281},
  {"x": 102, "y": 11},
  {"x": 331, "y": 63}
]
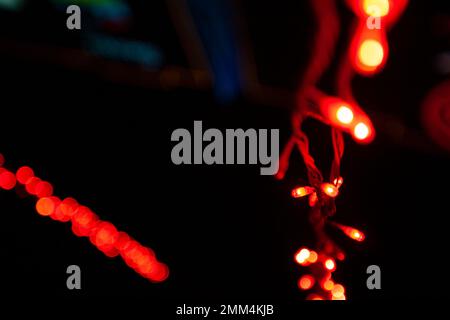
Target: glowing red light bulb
[
  {"x": 376, "y": 8},
  {"x": 330, "y": 190},
  {"x": 371, "y": 53},
  {"x": 302, "y": 256},
  {"x": 306, "y": 282},
  {"x": 361, "y": 131},
  {"x": 31, "y": 184},
  {"x": 43, "y": 189},
  {"x": 338, "y": 182},
  {"x": 302, "y": 191},
  {"x": 344, "y": 115},
  {"x": 312, "y": 257},
  {"x": 7, "y": 180},
  {"x": 24, "y": 174},
  {"x": 45, "y": 206},
  {"x": 313, "y": 199},
  {"x": 328, "y": 285},
  {"x": 338, "y": 292},
  {"x": 314, "y": 297},
  {"x": 330, "y": 264}
]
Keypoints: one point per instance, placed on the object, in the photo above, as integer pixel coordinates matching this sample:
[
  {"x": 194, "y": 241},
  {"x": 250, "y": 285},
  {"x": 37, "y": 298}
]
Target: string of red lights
[
  {"x": 367, "y": 55},
  {"x": 85, "y": 223}
]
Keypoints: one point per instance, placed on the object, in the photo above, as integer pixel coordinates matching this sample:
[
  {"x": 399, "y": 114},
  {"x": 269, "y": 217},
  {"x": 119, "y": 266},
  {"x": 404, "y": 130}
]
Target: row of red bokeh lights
[{"x": 85, "y": 223}]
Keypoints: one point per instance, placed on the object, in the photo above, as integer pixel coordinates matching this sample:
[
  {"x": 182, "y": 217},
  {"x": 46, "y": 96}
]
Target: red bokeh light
[
  {"x": 24, "y": 174},
  {"x": 7, "y": 180}
]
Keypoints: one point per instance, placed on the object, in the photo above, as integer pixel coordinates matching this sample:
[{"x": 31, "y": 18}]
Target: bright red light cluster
[
  {"x": 329, "y": 189},
  {"x": 86, "y": 223},
  {"x": 319, "y": 280},
  {"x": 348, "y": 117},
  {"x": 369, "y": 49}
]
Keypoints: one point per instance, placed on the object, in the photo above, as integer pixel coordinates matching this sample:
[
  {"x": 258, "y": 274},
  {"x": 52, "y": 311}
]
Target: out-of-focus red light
[
  {"x": 361, "y": 131},
  {"x": 330, "y": 264},
  {"x": 161, "y": 275},
  {"x": 312, "y": 257},
  {"x": 31, "y": 184},
  {"x": 2, "y": 160},
  {"x": 83, "y": 221},
  {"x": 344, "y": 115},
  {"x": 338, "y": 291},
  {"x": 45, "y": 206},
  {"x": 328, "y": 285},
  {"x": 313, "y": 199},
  {"x": 330, "y": 190},
  {"x": 357, "y": 235},
  {"x": 104, "y": 236},
  {"x": 306, "y": 282},
  {"x": 302, "y": 191},
  {"x": 7, "y": 180},
  {"x": 314, "y": 297},
  {"x": 66, "y": 209},
  {"x": 43, "y": 189},
  {"x": 338, "y": 182},
  {"x": 371, "y": 53},
  {"x": 302, "y": 256},
  {"x": 376, "y": 8},
  {"x": 340, "y": 255},
  {"x": 24, "y": 174}
]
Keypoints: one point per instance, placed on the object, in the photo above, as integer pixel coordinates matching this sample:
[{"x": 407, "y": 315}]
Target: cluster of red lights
[
  {"x": 86, "y": 223},
  {"x": 348, "y": 117},
  {"x": 329, "y": 189},
  {"x": 369, "y": 49},
  {"x": 321, "y": 266},
  {"x": 319, "y": 279}
]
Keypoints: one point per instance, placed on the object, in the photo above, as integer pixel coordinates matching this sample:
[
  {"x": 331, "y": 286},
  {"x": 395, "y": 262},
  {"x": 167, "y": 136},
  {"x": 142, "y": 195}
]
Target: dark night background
[{"x": 227, "y": 233}]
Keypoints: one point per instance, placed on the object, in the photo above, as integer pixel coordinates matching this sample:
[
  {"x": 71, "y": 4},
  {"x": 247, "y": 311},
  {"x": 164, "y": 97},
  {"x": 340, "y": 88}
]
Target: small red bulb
[
  {"x": 306, "y": 282},
  {"x": 330, "y": 264}
]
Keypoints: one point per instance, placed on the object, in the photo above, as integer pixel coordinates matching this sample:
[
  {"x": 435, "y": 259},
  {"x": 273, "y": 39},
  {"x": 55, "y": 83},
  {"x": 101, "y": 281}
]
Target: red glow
[
  {"x": 369, "y": 50},
  {"x": 338, "y": 182},
  {"x": 344, "y": 115},
  {"x": 160, "y": 274},
  {"x": 24, "y": 174},
  {"x": 357, "y": 235},
  {"x": 312, "y": 257},
  {"x": 388, "y": 10},
  {"x": 83, "y": 221},
  {"x": 314, "y": 297},
  {"x": 302, "y": 256},
  {"x": 347, "y": 117},
  {"x": 43, "y": 189},
  {"x": 330, "y": 190},
  {"x": 361, "y": 131},
  {"x": 313, "y": 199},
  {"x": 350, "y": 232},
  {"x": 2, "y": 160},
  {"x": 302, "y": 191},
  {"x": 306, "y": 282},
  {"x": 31, "y": 185},
  {"x": 7, "y": 180},
  {"x": 45, "y": 206},
  {"x": 66, "y": 209},
  {"x": 328, "y": 285},
  {"x": 330, "y": 264},
  {"x": 102, "y": 234},
  {"x": 338, "y": 291},
  {"x": 376, "y": 8}
]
